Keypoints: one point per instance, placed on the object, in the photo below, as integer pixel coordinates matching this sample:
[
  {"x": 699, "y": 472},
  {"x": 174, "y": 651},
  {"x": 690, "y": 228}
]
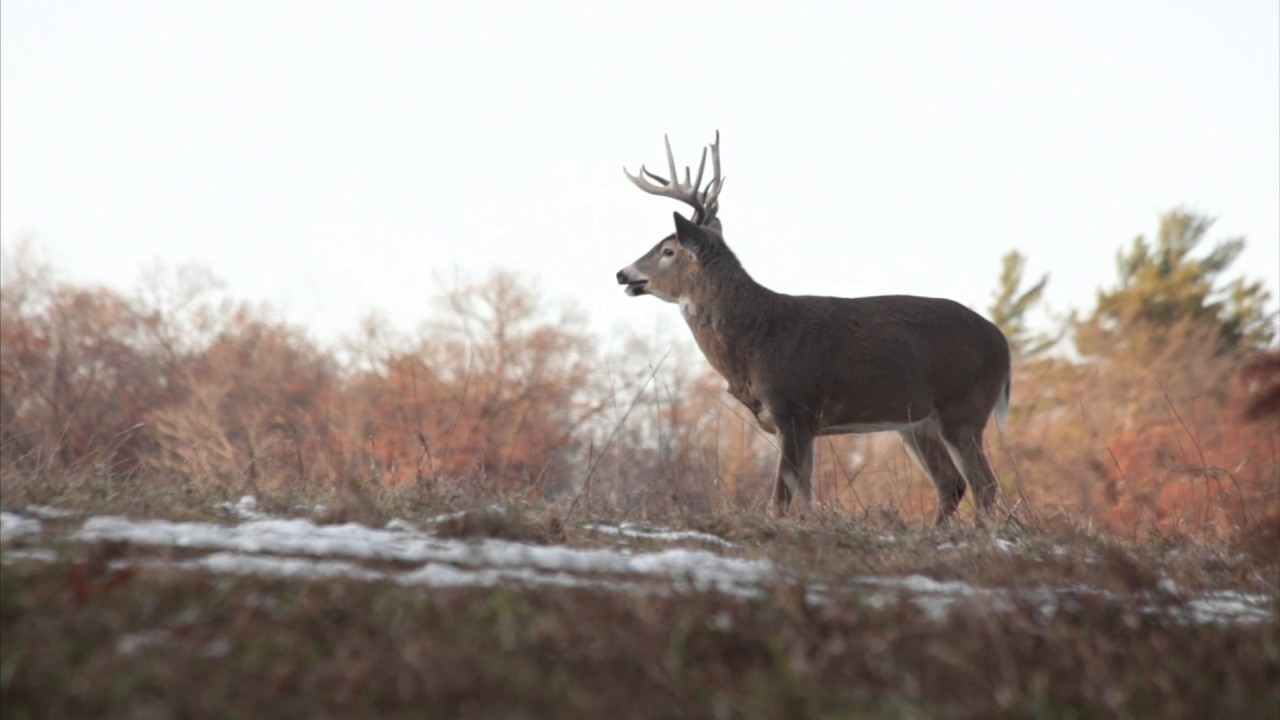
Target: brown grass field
[{"x": 115, "y": 629}]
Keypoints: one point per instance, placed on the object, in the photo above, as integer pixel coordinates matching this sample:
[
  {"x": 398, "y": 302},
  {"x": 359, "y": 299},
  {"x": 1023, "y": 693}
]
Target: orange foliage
[
  {"x": 1152, "y": 441},
  {"x": 1215, "y": 476},
  {"x": 495, "y": 390},
  {"x": 76, "y": 379},
  {"x": 255, "y": 407}
]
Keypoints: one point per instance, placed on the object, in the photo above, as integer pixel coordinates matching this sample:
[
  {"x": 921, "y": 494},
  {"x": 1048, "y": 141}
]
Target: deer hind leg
[
  {"x": 781, "y": 495},
  {"x": 935, "y": 458},
  {"x": 965, "y": 444},
  {"x": 795, "y": 470}
]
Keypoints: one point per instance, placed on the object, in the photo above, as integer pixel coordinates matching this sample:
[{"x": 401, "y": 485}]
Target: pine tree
[
  {"x": 1164, "y": 284},
  {"x": 1011, "y": 303}
]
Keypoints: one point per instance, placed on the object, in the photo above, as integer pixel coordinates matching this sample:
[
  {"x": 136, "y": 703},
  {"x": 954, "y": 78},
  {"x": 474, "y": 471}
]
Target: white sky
[{"x": 335, "y": 158}]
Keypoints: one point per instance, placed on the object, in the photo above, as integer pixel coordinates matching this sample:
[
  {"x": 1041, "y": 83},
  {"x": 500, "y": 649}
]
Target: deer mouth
[{"x": 636, "y": 288}]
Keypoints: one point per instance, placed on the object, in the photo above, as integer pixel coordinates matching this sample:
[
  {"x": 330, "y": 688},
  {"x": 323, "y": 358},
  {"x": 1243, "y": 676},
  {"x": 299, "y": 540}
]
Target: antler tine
[
  {"x": 657, "y": 178},
  {"x": 702, "y": 165},
  {"x": 703, "y": 201},
  {"x": 711, "y": 195},
  {"x": 671, "y": 160}
]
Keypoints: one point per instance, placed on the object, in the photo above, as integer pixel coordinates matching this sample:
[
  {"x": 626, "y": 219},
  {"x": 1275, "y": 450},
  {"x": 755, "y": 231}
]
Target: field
[{"x": 127, "y": 601}]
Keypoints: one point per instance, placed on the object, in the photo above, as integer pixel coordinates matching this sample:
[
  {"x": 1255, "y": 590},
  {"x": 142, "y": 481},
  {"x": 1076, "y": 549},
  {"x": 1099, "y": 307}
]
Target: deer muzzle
[{"x": 634, "y": 281}]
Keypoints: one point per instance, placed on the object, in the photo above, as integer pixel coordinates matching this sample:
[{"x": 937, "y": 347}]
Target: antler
[{"x": 705, "y": 202}]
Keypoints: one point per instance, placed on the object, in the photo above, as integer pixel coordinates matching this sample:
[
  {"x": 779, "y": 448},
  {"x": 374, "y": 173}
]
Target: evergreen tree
[
  {"x": 1164, "y": 284},
  {"x": 1011, "y": 303}
]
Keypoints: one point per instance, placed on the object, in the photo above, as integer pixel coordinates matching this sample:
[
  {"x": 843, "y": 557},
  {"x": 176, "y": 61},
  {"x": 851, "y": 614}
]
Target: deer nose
[{"x": 622, "y": 278}]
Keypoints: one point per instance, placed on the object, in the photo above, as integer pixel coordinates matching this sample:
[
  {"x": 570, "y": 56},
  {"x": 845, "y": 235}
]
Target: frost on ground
[{"x": 296, "y": 548}]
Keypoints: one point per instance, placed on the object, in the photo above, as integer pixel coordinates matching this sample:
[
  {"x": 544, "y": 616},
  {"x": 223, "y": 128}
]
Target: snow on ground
[
  {"x": 263, "y": 545},
  {"x": 938, "y": 598},
  {"x": 1225, "y": 606},
  {"x": 698, "y": 569},
  {"x": 14, "y": 526},
  {"x": 635, "y": 531},
  {"x": 50, "y": 513},
  {"x": 246, "y": 508}
]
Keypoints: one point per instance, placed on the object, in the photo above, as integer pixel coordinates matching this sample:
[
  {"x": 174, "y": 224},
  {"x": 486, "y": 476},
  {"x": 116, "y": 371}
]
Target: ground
[{"x": 287, "y": 607}]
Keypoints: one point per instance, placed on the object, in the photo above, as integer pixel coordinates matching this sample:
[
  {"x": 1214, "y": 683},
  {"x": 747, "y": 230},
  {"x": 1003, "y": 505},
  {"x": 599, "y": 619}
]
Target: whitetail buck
[{"x": 808, "y": 366}]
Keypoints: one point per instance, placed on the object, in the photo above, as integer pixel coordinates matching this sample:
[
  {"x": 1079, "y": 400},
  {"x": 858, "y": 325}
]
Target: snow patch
[
  {"x": 663, "y": 534},
  {"x": 230, "y": 563},
  {"x": 36, "y": 554},
  {"x": 1228, "y": 606},
  {"x": 246, "y": 508},
  {"x": 437, "y": 519},
  {"x": 50, "y": 513},
  {"x": 246, "y": 542},
  {"x": 14, "y": 526}
]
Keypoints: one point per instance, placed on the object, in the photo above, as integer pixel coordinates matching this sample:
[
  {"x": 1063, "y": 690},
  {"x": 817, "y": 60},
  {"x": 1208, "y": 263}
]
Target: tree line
[{"x": 1130, "y": 413}]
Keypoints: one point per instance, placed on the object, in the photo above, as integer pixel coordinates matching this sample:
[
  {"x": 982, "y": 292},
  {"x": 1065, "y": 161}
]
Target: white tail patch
[{"x": 1002, "y": 408}]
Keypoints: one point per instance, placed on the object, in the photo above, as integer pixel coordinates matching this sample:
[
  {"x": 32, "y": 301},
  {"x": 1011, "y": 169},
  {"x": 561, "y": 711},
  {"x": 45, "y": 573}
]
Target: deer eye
[{"x": 668, "y": 252}]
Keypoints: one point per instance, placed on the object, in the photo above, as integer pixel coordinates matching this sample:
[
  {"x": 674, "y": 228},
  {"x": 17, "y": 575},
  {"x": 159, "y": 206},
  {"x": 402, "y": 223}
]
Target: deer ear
[{"x": 692, "y": 238}]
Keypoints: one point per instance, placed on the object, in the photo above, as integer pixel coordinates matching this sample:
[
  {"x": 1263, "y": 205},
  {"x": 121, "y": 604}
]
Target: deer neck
[{"x": 725, "y": 311}]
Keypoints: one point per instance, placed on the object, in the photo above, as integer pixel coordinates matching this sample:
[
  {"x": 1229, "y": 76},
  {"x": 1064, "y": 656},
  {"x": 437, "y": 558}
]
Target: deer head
[{"x": 669, "y": 271}]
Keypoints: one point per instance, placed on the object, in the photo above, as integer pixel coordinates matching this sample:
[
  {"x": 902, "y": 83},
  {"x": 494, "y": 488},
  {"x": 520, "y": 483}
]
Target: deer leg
[
  {"x": 795, "y": 470},
  {"x": 933, "y": 456},
  {"x": 781, "y": 496},
  {"x": 965, "y": 444}
]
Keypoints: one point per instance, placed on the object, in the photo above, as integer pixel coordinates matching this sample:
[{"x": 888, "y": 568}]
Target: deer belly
[{"x": 859, "y": 428}]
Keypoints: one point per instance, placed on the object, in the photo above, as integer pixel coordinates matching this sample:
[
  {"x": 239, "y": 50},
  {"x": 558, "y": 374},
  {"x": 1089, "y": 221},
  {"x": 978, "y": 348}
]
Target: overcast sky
[{"x": 336, "y": 158}]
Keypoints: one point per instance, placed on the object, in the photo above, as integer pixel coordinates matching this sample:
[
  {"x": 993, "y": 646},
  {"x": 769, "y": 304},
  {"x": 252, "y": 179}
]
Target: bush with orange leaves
[
  {"x": 79, "y": 371},
  {"x": 1148, "y": 440},
  {"x": 495, "y": 388},
  {"x": 177, "y": 383}
]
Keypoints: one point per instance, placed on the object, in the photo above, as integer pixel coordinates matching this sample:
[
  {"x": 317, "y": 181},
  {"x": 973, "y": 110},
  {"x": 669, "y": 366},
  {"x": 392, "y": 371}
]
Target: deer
[{"x": 809, "y": 366}]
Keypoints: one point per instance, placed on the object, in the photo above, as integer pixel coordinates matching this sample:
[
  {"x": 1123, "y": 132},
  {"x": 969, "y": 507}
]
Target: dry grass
[
  {"x": 83, "y": 637},
  {"x": 158, "y": 644}
]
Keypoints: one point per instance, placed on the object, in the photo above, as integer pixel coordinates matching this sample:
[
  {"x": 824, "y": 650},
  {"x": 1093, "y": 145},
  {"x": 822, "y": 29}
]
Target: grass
[
  {"x": 86, "y": 637},
  {"x": 160, "y": 644}
]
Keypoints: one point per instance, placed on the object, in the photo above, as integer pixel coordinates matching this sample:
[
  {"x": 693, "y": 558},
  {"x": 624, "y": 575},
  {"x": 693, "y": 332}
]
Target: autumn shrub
[
  {"x": 79, "y": 373},
  {"x": 261, "y": 408},
  {"x": 497, "y": 387}
]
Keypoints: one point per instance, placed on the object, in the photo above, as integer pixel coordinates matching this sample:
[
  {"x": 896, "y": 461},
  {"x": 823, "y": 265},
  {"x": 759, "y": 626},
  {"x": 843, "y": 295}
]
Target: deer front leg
[{"x": 795, "y": 469}]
